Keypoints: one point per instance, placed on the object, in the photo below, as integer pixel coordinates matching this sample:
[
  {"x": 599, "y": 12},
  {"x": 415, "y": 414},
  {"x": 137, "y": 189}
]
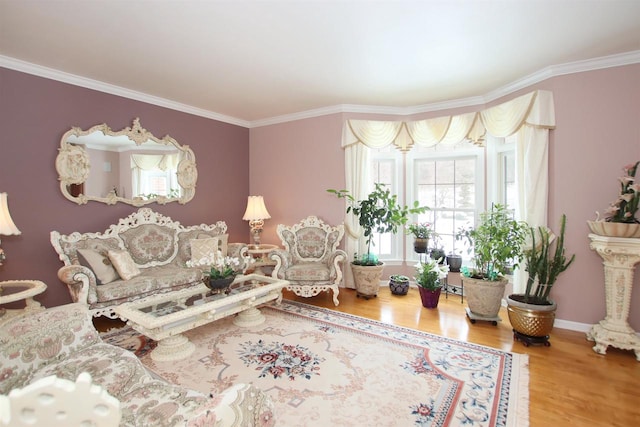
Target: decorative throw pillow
[
  {"x": 100, "y": 264},
  {"x": 222, "y": 241},
  {"x": 201, "y": 248},
  {"x": 122, "y": 261}
]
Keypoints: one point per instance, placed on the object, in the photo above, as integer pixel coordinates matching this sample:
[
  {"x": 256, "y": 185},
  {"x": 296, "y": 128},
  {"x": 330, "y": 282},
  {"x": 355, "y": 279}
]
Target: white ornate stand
[
  {"x": 620, "y": 256},
  {"x": 22, "y": 290}
]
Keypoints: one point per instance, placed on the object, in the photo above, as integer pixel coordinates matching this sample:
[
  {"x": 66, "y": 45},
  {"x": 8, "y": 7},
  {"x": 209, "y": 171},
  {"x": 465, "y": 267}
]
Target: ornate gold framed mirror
[{"x": 130, "y": 166}]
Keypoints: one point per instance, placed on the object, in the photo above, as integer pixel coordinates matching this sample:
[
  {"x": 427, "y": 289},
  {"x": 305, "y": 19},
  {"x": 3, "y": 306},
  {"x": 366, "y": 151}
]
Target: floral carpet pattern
[{"x": 323, "y": 368}]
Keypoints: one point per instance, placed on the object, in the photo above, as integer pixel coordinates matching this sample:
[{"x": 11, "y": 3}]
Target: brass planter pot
[{"x": 531, "y": 319}]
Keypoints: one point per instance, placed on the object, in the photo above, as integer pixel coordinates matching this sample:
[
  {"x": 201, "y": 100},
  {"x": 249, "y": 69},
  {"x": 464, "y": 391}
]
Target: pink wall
[
  {"x": 36, "y": 112},
  {"x": 598, "y": 131}
]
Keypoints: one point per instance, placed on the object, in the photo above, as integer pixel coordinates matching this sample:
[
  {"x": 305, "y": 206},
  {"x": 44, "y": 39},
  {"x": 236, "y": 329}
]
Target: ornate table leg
[
  {"x": 175, "y": 347},
  {"x": 620, "y": 256}
]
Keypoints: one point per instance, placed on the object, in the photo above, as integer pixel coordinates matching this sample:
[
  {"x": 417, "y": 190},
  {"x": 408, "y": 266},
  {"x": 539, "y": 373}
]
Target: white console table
[
  {"x": 16, "y": 290},
  {"x": 620, "y": 256}
]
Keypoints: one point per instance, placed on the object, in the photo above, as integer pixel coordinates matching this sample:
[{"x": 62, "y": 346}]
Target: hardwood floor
[{"x": 570, "y": 384}]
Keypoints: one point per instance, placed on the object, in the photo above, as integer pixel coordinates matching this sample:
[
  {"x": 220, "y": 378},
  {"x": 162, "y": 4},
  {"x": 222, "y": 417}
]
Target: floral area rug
[{"x": 325, "y": 368}]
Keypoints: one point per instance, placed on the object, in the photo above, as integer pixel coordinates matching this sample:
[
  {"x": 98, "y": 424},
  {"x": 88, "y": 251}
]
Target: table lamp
[
  {"x": 7, "y": 227},
  {"x": 256, "y": 213}
]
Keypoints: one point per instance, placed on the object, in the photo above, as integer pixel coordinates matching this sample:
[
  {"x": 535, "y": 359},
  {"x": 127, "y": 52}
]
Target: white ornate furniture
[
  {"x": 61, "y": 341},
  {"x": 260, "y": 254},
  {"x": 311, "y": 260},
  {"x": 26, "y": 290},
  {"x": 159, "y": 249},
  {"x": 135, "y": 147},
  {"x": 165, "y": 317},
  {"x": 53, "y": 402},
  {"x": 620, "y": 256}
]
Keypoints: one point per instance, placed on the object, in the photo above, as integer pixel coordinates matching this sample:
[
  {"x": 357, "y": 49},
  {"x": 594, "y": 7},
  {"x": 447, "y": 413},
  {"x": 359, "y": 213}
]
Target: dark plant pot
[
  {"x": 420, "y": 245},
  {"x": 219, "y": 284},
  {"x": 438, "y": 254},
  {"x": 429, "y": 297},
  {"x": 398, "y": 286},
  {"x": 454, "y": 262}
]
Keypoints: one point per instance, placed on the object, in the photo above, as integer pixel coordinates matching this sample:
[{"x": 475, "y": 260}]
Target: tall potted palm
[
  {"x": 532, "y": 313},
  {"x": 378, "y": 213},
  {"x": 497, "y": 246}
]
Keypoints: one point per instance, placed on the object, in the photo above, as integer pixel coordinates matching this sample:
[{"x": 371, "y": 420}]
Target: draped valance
[{"x": 534, "y": 109}]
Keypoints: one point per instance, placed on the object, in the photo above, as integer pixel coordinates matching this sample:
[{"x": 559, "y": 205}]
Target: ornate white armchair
[{"x": 311, "y": 260}]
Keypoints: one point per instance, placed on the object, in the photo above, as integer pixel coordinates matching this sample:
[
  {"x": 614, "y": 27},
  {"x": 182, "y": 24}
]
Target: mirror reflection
[{"x": 131, "y": 166}]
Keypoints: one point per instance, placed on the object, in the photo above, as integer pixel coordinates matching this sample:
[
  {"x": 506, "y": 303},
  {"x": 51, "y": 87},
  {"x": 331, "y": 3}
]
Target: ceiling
[{"x": 251, "y": 61}]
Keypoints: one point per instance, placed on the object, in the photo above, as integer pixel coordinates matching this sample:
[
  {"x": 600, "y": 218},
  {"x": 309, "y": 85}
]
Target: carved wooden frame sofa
[
  {"x": 154, "y": 251},
  {"x": 62, "y": 342}
]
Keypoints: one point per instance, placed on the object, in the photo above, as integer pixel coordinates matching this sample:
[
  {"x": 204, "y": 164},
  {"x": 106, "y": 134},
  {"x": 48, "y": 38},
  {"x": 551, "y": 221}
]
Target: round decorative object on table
[
  {"x": 614, "y": 229},
  {"x": 219, "y": 284},
  {"x": 399, "y": 285}
]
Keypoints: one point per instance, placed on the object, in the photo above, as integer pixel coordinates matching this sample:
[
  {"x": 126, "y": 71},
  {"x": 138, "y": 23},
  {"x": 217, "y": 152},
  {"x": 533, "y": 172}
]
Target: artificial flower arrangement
[
  {"x": 217, "y": 266},
  {"x": 429, "y": 274},
  {"x": 624, "y": 208}
]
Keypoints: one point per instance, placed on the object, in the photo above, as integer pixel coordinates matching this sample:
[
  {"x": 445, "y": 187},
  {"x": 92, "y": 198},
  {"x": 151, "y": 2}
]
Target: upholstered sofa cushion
[
  {"x": 124, "y": 265},
  {"x": 149, "y": 280}
]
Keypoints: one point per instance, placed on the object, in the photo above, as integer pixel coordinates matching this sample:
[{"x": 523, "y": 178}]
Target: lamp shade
[
  {"x": 256, "y": 210},
  {"x": 7, "y": 227}
]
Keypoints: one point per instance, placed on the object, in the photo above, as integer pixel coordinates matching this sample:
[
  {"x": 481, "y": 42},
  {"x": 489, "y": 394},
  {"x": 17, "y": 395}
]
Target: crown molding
[
  {"x": 618, "y": 60},
  {"x": 73, "y": 79}
]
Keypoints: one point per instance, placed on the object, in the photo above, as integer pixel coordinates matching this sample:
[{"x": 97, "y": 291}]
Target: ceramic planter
[
  {"x": 367, "y": 279},
  {"x": 429, "y": 297},
  {"x": 484, "y": 297},
  {"x": 399, "y": 285},
  {"x": 454, "y": 262},
  {"x": 420, "y": 245},
  {"x": 532, "y": 320}
]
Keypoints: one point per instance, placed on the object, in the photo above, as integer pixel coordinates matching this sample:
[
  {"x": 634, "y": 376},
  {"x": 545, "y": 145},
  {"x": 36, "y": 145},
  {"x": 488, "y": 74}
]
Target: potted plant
[
  {"x": 378, "y": 213},
  {"x": 496, "y": 244},
  {"x": 622, "y": 221},
  {"x": 428, "y": 278},
  {"x": 398, "y": 284},
  {"x": 421, "y": 232},
  {"x": 532, "y": 313},
  {"x": 219, "y": 271}
]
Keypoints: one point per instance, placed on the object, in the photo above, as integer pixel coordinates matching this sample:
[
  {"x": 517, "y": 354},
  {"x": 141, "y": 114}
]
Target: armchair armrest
[
  {"x": 241, "y": 251},
  {"x": 81, "y": 283},
  {"x": 335, "y": 260},
  {"x": 283, "y": 262}
]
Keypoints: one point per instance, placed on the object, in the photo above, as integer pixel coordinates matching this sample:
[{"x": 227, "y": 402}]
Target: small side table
[
  {"x": 260, "y": 254},
  {"x": 22, "y": 290}
]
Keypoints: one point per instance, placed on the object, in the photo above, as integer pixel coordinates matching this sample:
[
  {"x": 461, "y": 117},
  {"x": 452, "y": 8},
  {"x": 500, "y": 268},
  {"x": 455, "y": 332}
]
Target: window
[
  {"x": 456, "y": 182},
  {"x": 387, "y": 168},
  {"x": 449, "y": 181}
]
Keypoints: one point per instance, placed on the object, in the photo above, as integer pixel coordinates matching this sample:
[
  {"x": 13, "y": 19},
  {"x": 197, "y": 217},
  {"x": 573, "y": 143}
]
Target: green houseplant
[
  {"x": 497, "y": 245},
  {"x": 532, "y": 313},
  {"x": 378, "y": 213},
  {"x": 621, "y": 214},
  {"x": 421, "y": 232},
  {"x": 398, "y": 284},
  {"x": 428, "y": 278}
]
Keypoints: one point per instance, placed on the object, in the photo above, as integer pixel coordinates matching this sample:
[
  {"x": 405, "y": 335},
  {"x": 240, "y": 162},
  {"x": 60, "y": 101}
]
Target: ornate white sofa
[
  {"x": 311, "y": 260},
  {"x": 150, "y": 244},
  {"x": 62, "y": 342}
]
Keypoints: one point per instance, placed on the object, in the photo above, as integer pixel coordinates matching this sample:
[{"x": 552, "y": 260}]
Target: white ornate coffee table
[{"x": 165, "y": 317}]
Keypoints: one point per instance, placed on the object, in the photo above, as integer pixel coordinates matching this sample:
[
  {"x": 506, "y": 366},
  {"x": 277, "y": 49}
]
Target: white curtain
[
  {"x": 140, "y": 162},
  {"x": 529, "y": 117}
]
